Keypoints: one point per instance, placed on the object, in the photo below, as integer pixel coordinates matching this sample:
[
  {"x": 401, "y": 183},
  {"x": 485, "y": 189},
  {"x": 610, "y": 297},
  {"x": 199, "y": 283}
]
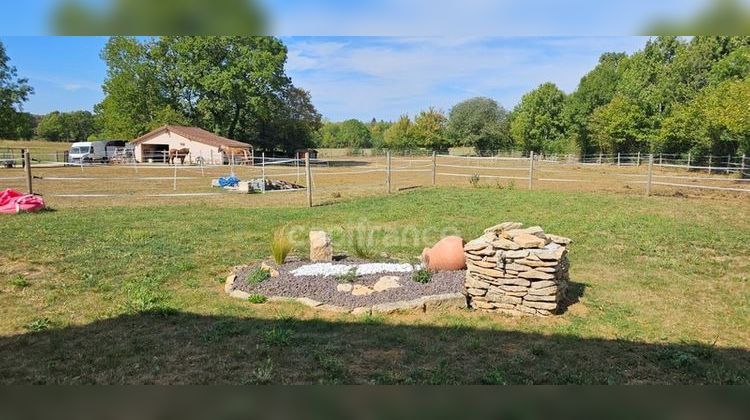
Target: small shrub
[
  {"x": 257, "y": 276},
  {"x": 474, "y": 180},
  {"x": 222, "y": 329},
  {"x": 19, "y": 281},
  {"x": 39, "y": 324},
  {"x": 278, "y": 337},
  {"x": 334, "y": 369},
  {"x": 263, "y": 373},
  {"x": 280, "y": 246},
  {"x": 257, "y": 298},
  {"x": 146, "y": 295},
  {"x": 361, "y": 249},
  {"x": 494, "y": 377},
  {"x": 349, "y": 277},
  {"x": 421, "y": 276},
  {"x": 511, "y": 185}
]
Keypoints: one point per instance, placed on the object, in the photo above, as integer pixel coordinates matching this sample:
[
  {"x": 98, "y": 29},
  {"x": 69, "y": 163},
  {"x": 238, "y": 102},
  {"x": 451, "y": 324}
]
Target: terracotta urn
[{"x": 446, "y": 255}]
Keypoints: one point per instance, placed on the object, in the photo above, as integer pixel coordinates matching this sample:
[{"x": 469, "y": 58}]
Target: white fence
[{"x": 381, "y": 173}]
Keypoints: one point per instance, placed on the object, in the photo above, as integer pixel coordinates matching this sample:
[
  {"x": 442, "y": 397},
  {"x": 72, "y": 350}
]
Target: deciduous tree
[
  {"x": 537, "y": 124},
  {"x": 480, "y": 123},
  {"x": 14, "y": 91}
]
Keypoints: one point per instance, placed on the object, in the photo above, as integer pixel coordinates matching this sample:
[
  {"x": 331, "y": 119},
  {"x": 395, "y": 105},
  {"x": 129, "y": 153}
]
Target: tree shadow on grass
[{"x": 179, "y": 347}]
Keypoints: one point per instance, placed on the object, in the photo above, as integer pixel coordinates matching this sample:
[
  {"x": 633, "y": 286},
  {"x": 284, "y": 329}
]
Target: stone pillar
[
  {"x": 517, "y": 271},
  {"x": 321, "y": 248}
]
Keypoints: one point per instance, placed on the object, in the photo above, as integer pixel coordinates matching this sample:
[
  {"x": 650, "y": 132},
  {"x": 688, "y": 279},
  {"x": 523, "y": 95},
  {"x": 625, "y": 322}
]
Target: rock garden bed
[
  {"x": 508, "y": 269},
  {"x": 350, "y": 285}
]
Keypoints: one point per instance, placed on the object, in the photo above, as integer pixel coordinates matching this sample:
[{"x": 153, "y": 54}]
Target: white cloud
[
  {"x": 72, "y": 86},
  {"x": 385, "y": 77}
]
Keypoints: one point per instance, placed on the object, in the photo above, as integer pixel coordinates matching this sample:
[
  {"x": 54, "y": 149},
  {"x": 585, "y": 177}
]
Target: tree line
[
  {"x": 234, "y": 86},
  {"x": 675, "y": 95}
]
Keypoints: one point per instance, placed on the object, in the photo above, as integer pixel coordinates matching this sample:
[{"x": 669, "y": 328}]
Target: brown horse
[
  {"x": 179, "y": 154},
  {"x": 230, "y": 152}
]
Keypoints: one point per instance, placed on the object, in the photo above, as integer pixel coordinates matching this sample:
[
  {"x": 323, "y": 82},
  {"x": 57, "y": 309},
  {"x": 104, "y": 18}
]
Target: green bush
[
  {"x": 349, "y": 277},
  {"x": 257, "y": 298},
  {"x": 19, "y": 281},
  {"x": 278, "y": 337},
  {"x": 39, "y": 324},
  {"x": 421, "y": 276},
  {"x": 257, "y": 276}
]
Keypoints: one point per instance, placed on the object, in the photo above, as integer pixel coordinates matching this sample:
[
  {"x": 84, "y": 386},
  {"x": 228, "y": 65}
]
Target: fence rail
[{"x": 101, "y": 180}]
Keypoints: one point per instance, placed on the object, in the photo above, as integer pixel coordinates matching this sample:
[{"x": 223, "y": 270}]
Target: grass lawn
[
  {"x": 135, "y": 295},
  {"x": 40, "y": 146}
]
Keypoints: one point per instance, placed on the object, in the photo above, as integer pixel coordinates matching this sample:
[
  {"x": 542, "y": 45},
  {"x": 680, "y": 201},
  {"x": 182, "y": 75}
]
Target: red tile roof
[{"x": 193, "y": 133}]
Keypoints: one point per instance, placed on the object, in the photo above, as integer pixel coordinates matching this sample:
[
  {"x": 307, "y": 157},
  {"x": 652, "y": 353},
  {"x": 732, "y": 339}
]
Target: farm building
[
  {"x": 300, "y": 154},
  {"x": 202, "y": 145}
]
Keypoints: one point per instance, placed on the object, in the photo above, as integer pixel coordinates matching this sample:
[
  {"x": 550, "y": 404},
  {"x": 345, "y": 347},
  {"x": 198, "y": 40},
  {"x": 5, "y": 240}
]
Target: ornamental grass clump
[{"x": 280, "y": 246}]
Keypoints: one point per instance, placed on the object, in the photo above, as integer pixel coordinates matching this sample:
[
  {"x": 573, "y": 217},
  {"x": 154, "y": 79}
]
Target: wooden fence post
[
  {"x": 600, "y": 158},
  {"x": 650, "y": 173},
  {"x": 388, "y": 170},
  {"x": 174, "y": 178},
  {"x": 434, "y": 167},
  {"x": 659, "y": 159},
  {"x": 308, "y": 175},
  {"x": 27, "y": 168},
  {"x": 709, "y": 164},
  {"x": 296, "y": 163},
  {"x": 729, "y": 163},
  {"x": 742, "y": 165},
  {"x": 638, "y": 161},
  {"x": 531, "y": 168},
  {"x": 263, "y": 171},
  {"x": 689, "y": 156},
  {"x": 618, "y": 158}
]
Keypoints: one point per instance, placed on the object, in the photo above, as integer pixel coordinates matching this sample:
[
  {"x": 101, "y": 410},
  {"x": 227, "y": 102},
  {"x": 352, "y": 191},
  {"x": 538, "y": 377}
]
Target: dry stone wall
[{"x": 517, "y": 271}]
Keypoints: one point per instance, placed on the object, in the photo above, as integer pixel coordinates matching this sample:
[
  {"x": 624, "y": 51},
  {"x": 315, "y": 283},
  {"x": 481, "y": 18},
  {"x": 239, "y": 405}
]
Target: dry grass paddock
[{"x": 350, "y": 177}]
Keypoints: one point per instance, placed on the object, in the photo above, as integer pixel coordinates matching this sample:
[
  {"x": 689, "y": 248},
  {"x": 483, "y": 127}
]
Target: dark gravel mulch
[{"x": 323, "y": 288}]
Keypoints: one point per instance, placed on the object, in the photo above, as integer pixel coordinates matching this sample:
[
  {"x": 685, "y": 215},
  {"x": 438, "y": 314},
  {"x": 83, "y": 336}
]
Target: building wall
[{"x": 176, "y": 141}]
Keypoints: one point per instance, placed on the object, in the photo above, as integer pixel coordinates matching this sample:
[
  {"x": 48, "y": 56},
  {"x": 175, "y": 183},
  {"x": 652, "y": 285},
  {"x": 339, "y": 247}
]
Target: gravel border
[{"x": 444, "y": 290}]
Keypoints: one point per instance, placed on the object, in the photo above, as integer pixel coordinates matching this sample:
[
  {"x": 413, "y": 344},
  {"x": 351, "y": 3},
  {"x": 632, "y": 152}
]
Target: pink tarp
[{"x": 12, "y": 201}]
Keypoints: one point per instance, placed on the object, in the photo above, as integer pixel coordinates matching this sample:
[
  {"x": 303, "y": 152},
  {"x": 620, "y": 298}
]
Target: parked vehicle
[{"x": 94, "y": 151}]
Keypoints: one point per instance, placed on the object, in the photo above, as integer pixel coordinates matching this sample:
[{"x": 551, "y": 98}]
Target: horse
[
  {"x": 178, "y": 153},
  {"x": 230, "y": 152}
]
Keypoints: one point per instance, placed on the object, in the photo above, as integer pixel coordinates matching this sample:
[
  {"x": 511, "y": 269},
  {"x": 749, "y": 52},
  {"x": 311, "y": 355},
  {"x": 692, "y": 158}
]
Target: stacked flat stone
[{"x": 517, "y": 271}]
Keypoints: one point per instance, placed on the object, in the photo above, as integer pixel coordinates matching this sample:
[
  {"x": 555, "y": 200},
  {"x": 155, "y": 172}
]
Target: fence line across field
[{"x": 389, "y": 165}]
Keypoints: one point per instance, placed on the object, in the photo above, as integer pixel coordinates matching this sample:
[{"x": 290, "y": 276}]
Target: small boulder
[
  {"x": 386, "y": 282},
  {"x": 360, "y": 290},
  {"x": 344, "y": 287},
  {"x": 270, "y": 268}
]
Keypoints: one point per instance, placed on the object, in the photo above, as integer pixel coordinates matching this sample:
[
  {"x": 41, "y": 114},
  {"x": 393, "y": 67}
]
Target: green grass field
[{"x": 135, "y": 295}]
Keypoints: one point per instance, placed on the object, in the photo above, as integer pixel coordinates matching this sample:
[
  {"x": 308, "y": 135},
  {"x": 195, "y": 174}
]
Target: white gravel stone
[{"x": 329, "y": 269}]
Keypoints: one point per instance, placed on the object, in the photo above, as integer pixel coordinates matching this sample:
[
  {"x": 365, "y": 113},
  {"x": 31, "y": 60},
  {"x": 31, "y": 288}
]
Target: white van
[{"x": 93, "y": 151}]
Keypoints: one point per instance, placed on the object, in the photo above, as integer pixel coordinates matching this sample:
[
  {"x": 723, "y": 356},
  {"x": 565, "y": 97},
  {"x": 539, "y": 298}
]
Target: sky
[
  {"x": 350, "y": 77},
  {"x": 414, "y": 17}
]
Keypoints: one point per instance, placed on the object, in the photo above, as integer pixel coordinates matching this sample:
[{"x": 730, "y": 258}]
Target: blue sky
[
  {"x": 418, "y": 17},
  {"x": 350, "y": 77}
]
